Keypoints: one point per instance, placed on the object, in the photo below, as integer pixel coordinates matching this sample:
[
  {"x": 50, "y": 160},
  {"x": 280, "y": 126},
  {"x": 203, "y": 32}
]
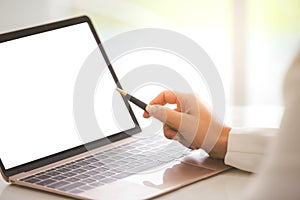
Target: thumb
[{"x": 166, "y": 115}]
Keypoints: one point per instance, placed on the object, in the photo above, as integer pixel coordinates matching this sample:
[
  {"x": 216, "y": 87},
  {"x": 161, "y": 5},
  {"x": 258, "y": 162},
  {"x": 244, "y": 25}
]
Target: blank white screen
[{"x": 37, "y": 78}]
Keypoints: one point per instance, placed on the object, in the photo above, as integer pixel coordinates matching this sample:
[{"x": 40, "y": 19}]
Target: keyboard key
[
  {"x": 143, "y": 148},
  {"x": 134, "y": 151},
  {"x": 82, "y": 176},
  {"x": 53, "y": 173},
  {"x": 121, "y": 162},
  {"x": 116, "y": 170},
  {"x": 86, "y": 187},
  {"x": 32, "y": 180},
  {"x": 101, "y": 169},
  {"x": 144, "y": 167},
  {"x": 166, "y": 159},
  {"x": 98, "y": 164},
  {"x": 92, "y": 172},
  {"x": 79, "y": 171},
  {"x": 100, "y": 156},
  {"x": 135, "y": 164},
  {"x": 130, "y": 159},
  {"x": 60, "y": 166},
  {"x": 46, "y": 182},
  {"x": 70, "y": 163},
  {"x": 115, "y": 151},
  {"x": 122, "y": 175},
  {"x": 119, "y": 169},
  {"x": 88, "y": 180},
  {"x": 71, "y": 186},
  {"x": 91, "y": 160},
  {"x": 108, "y": 180},
  {"x": 28, "y": 177},
  {"x": 107, "y": 173},
  {"x": 50, "y": 170},
  {"x": 125, "y": 167},
  {"x": 138, "y": 156},
  {"x": 74, "y": 166},
  {"x": 145, "y": 160},
  {"x": 40, "y": 173},
  {"x": 154, "y": 156},
  {"x": 98, "y": 177},
  {"x": 89, "y": 167},
  {"x": 87, "y": 157},
  {"x": 69, "y": 174},
  {"x": 177, "y": 155},
  {"x": 76, "y": 191},
  {"x": 43, "y": 177},
  {"x": 63, "y": 170},
  {"x": 58, "y": 178},
  {"x": 112, "y": 165},
  {"x": 126, "y": 155},
  {"x": 83, "y": 163},
  {"x": 96, "y": 184},
  {"x": 58, "y": 184},
  {"x": 132, "y": 146},
  {"x": 73, "y": 179},
  {"x": 81, "y": 159},
  {"x": 109, "y": 153},
  {"x": 107, "y": 161}
]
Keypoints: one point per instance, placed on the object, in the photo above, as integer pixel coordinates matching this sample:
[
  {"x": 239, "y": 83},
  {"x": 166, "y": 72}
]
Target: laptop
[{"x": 46, "y": 144}]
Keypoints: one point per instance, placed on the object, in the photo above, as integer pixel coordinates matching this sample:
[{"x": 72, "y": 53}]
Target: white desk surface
[{"x": 228, "y": 185}]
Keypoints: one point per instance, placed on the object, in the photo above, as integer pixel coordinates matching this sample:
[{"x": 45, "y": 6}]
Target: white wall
[{"x": 15, "y": 14}]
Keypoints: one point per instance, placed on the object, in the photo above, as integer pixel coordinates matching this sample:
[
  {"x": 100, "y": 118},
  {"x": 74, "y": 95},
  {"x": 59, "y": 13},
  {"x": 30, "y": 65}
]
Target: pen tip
[{"x": 122, "y": 92}]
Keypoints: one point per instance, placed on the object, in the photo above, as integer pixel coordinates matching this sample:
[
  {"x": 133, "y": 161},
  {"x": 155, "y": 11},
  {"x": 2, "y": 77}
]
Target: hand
[{"x": 191, "y": 123}]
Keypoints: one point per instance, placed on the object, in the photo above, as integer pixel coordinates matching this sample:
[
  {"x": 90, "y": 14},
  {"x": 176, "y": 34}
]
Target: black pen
[{"x": 132, "y": 99}]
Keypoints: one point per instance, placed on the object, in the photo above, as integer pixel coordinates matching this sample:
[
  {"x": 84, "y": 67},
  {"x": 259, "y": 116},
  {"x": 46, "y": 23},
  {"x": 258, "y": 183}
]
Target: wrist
[{"x": 220, "y": 148}]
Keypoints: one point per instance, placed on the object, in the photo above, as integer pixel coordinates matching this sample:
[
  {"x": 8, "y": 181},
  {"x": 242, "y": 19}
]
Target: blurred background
[{"x": 251, "y": 42}]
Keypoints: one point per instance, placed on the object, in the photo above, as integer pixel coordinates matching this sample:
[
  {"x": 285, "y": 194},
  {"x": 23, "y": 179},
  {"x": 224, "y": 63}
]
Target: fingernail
[
  {"x": 148, "y": 108},
  {"x": 152, "y": 110}
]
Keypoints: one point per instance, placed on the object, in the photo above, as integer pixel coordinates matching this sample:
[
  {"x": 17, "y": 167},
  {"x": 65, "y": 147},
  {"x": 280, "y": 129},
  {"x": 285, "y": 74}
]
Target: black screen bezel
[{"x": 81, "y": 148}]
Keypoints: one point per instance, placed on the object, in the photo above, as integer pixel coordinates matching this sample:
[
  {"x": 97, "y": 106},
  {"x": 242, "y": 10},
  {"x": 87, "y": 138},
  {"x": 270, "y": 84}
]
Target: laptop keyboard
[{"x": 108, "y": 166}]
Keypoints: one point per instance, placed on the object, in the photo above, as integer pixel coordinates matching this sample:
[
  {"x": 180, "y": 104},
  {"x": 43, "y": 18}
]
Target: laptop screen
[{"x": 37, "y": 80}]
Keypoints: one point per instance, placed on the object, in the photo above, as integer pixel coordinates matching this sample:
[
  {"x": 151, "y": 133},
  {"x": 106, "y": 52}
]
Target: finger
[
  {"x": 146, "y": 114},
  {"x": 165, "y": 97},
  {"x": 166, "y": 115},
  {"x": 169, "y": 132},
  {"x": 184, "y": 142},
  {"x": 175, "y": 135}
]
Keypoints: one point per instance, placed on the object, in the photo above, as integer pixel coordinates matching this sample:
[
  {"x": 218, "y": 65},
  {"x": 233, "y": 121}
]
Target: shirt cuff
[{"x": 247, "y": 147}]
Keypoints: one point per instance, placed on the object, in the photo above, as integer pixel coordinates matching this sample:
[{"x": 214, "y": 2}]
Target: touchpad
[{"x": 180, "y": 174}]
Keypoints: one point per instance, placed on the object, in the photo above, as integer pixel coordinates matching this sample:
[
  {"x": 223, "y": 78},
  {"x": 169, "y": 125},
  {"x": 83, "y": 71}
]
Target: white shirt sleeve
[{"x": 247, "y": 147}]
